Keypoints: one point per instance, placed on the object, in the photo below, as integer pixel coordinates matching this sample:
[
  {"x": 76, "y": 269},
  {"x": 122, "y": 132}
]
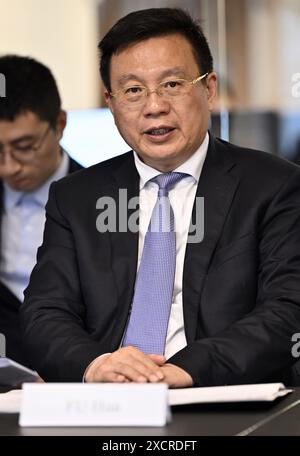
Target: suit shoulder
[
  {"x": 99, "y": 174},
  {"x": 256, "y": 162}
]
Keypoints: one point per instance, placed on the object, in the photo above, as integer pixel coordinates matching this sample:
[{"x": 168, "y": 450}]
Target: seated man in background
[
  {"x": 122, "y": 293},
  {"x": 31, "y": 126}
]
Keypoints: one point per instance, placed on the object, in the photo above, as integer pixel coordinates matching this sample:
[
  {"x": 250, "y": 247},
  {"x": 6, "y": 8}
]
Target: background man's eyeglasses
[
  {"x": 24, "y": 154},
  {"x": 136, "y": 95}
]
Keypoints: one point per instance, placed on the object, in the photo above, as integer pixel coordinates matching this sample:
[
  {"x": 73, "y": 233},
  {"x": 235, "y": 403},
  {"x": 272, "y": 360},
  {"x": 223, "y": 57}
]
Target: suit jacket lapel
[
  {"x": 124, "y": 242},
  {"x": 217, "y": 185}
]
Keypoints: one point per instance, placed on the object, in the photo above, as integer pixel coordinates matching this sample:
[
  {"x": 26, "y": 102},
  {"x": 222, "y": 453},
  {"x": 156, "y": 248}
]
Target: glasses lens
[
  {"x": 134, "y": 94},
  {"x": 20, "y": 155},
  {"x": 23, "y": 155},
  {"x": 174, "y": 88}
]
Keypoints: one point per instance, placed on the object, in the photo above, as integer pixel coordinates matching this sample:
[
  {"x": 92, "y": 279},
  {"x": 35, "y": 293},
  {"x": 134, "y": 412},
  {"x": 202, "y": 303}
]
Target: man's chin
[
  {"x": 165, "y": 159},
  {"x": 20, "y": 185}
]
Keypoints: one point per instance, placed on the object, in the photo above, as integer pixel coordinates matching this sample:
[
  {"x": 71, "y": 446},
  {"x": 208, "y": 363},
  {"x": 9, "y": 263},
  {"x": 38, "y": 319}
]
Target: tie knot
[{"x": 166, "y": 181}]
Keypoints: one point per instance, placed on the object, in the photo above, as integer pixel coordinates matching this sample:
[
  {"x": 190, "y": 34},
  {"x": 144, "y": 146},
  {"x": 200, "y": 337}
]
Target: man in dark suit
[
  {"x": 31, "y": 125},
  {"x": 98, "y": 296}
]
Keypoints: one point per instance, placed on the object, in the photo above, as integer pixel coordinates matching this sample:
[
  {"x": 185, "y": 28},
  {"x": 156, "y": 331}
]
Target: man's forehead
[
  {"x": 153, "y": 40},
  {"x": 22, "y": 118},
  {"x": 23, "y": 124},
  {"x": 154, "y": 59}
]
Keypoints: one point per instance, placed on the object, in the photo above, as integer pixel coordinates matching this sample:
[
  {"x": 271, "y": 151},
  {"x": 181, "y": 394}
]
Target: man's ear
[
  {"x": 60, "y": 124},
  {"x": 211, "y": 87},
  {"x": 107, "y": 97}
]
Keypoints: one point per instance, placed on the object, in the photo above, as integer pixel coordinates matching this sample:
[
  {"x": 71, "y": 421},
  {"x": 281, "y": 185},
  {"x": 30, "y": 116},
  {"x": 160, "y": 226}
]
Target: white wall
[
  {"x": 63, "y": 34},
  {"x": 273, "y": 36}
]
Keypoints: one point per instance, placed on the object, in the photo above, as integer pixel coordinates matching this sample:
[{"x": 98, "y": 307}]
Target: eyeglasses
[
  {"x": 136, "y": 95},
  {"x": 24, "y": 154}
]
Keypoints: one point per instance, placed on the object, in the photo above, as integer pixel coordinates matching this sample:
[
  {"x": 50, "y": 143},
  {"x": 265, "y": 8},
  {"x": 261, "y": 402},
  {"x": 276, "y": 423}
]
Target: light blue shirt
[{"x": 22, "y": 231}]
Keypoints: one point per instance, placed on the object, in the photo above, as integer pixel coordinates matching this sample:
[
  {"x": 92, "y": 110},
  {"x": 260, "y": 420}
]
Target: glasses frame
[
  {"x": 148, "y": 91},
  {"x": 30, "y": 153}
]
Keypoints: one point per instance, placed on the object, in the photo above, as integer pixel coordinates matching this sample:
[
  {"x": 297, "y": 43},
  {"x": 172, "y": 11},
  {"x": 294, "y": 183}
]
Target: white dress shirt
[
  {"x": 182, "y": 199},
  {"x": 22, "y": 230}
]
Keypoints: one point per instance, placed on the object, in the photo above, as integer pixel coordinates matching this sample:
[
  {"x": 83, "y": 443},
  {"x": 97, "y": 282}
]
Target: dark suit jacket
[
  {"x": 10, "y": 304},
  {"x": 241, "y": 285}
]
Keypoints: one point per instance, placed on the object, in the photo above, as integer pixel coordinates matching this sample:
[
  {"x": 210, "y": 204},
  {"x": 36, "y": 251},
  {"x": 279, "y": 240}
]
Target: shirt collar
[
  {"x": 40, "y": 195},
  {"x": 192, "y": 166}
]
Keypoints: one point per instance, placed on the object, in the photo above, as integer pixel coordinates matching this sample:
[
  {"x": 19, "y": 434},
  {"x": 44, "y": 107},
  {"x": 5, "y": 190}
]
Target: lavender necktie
[{"x": 148, "y": 322}]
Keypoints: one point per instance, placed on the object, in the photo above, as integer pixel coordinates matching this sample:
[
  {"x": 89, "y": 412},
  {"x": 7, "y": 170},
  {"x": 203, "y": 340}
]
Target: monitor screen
[{"x": 91, "y": 136}]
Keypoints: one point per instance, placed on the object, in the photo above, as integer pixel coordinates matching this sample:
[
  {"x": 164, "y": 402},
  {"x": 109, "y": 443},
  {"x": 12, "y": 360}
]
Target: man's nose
[{"x": 155, "y": 104}]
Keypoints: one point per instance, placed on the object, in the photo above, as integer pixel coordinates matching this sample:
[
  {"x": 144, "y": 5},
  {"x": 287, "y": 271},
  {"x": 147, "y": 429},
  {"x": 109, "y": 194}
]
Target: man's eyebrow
[
  {"x": 175, "y": 71},
  {"x": 128, "y": 77}
]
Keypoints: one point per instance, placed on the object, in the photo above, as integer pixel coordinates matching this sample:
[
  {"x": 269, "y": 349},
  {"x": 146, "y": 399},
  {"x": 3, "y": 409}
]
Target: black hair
[
  {"x": 30, "y": 86},
  {"x": 143, "y": 24}
]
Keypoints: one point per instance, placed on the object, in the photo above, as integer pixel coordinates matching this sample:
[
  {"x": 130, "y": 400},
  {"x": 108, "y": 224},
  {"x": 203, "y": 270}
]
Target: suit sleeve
[
  {"x": 259, "y": 345},
  {"x": 52, "y": 316}
]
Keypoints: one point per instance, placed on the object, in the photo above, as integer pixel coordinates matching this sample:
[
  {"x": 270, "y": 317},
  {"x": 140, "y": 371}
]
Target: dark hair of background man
[{"x": 30, "y": 86}]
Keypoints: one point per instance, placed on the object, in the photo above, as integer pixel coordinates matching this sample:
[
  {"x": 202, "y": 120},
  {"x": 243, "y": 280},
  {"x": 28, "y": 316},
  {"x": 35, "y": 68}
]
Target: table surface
[{"x": 281, "y": 417}]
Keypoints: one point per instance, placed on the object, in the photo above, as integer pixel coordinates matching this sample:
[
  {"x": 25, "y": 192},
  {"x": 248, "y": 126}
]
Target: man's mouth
[{"x": 159, "y": 131}]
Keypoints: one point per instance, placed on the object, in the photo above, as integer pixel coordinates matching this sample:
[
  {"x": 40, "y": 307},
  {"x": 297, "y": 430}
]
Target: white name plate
[{"x": 94, "y": 404}]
